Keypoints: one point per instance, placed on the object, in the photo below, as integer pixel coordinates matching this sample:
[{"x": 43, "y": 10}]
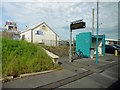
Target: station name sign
[{"x": 77, "y": 24}]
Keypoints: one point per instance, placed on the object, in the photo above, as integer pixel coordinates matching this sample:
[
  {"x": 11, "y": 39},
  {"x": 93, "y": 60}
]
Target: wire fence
[{"x": 56, "y": 43}]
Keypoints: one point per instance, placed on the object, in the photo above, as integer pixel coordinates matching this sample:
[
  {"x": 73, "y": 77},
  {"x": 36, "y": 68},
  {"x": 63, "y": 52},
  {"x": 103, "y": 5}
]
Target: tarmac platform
[{"x": 81, "y": 73}]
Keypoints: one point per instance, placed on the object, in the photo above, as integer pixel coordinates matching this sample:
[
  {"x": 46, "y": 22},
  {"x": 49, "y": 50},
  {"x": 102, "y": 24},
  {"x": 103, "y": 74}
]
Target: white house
[
  {"x": 11, "y": 25},
  {"x": 40, "y": 33}
]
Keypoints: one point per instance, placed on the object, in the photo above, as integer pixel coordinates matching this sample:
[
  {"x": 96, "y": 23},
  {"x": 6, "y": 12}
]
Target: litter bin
[{"x": 91, "y": 52}]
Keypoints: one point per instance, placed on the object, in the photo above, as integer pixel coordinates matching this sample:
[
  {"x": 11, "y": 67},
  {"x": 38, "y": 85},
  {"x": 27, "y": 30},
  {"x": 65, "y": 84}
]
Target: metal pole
[
  {"x": 93, "y": 21},
  {"x": 70, "y": 49},
  {"x": 56, "y": 39},
  {"x": 97, "y": 37},
  {"x": 73, "y": 46}
]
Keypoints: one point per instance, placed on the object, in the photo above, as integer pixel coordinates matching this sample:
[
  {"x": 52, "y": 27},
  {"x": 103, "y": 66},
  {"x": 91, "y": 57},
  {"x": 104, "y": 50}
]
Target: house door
[{"x": 23, "y": 37}]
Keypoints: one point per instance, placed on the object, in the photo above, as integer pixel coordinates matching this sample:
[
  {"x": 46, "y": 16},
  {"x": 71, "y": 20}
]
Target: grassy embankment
[{"x": 19, "y": 57}]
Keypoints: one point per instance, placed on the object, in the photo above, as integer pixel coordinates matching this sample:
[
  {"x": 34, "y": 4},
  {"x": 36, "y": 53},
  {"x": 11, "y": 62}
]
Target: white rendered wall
[
  {"x": 27, "y": 35},
  {"x": 48, "y": 37}
]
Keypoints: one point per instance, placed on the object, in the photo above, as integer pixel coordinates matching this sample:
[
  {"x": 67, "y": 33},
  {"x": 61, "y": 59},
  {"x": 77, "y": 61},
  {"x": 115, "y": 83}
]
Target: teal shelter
[{"x": 86, "y": 41}]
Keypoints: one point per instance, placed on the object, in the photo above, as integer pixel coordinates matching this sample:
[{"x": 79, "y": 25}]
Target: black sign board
[{"x": 77, "y": 25}]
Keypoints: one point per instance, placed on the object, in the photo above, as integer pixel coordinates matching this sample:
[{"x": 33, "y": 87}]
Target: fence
[
  {"x": 50, "y": 42},
  {"x": 56, "y": 43}
]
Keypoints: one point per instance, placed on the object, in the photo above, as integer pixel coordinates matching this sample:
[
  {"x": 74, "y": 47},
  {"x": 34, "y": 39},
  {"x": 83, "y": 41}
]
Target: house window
[{"x": 10, "y": 28}]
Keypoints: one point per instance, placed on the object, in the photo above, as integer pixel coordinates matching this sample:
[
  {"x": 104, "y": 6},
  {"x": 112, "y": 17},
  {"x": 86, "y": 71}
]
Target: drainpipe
[{"x": 31, "y": 36}]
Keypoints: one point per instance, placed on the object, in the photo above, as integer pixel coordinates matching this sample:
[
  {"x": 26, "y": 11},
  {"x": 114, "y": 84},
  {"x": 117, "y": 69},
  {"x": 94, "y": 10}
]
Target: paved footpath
[
  {"x": 81, "y": 73},
  {"x": 95, "y": 80}
]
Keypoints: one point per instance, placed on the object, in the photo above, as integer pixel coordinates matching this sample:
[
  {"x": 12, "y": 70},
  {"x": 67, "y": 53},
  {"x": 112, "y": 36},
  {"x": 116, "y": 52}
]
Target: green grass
[{"x": 19, "y": 57}]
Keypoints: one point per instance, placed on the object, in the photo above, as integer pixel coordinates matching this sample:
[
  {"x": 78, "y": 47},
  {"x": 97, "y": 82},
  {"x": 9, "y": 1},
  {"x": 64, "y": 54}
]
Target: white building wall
[
  {"x": 27, "y": 35},
  {"x": 99, "y": 46},
  {"x": 48, "y": 37},
  {"x": 37, "y": 38}
]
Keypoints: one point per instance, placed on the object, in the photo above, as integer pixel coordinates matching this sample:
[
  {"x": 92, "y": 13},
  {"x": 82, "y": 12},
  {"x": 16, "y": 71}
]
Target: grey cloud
[{"x": 59, "y": 15}]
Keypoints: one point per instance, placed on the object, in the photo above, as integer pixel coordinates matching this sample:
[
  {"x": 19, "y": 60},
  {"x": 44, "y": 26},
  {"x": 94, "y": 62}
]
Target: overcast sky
[{"x": 58, "y": 16}]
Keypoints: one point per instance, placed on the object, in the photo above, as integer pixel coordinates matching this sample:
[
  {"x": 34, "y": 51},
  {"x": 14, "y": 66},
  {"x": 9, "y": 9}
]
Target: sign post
[
  {"x": 74, "y": 25},
  {"x": 70, "y": 50}
]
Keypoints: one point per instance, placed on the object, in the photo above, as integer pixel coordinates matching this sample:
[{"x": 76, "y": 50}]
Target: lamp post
[{"x": 97, "y": 38}]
